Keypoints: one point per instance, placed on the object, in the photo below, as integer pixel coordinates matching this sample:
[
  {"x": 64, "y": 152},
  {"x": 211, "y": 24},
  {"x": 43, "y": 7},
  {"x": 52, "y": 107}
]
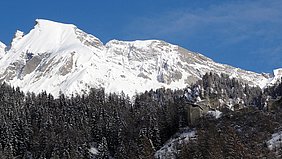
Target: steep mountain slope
[
  {"x": 2, "y": 49},
  {"x": 60, "y": 57}
]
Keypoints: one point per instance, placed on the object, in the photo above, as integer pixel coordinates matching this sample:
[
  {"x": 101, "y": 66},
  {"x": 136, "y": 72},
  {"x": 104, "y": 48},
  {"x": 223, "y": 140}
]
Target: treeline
[
  {"x": 88, "y": 126},
  {"x": 222, "y": 86},
  {"x": 221, "y": 91}
]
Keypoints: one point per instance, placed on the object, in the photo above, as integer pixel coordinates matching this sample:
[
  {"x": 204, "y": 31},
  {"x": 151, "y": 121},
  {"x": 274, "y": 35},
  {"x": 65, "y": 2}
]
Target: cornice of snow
[{"x": 43, "y": 23}]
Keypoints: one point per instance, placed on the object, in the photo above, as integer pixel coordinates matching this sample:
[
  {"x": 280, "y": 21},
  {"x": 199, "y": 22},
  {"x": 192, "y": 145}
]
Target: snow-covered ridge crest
[
  {"x": 2, "y": 49},
  {"x": 49, "y": 36},
  {"x": 43, "y": 23},
  {"x": 2, "y": 45},
  {"x": 56, "y": 57},
  {"x": 56, "y": 27},
  {"x": 17, "y": 37}
]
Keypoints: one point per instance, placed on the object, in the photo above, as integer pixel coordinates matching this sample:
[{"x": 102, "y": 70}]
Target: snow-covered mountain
[{"x": 60, "y": 57}]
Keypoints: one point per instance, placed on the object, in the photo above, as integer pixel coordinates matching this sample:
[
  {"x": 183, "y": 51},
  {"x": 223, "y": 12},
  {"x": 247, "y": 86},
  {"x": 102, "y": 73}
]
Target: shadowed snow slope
[{"x": 58, "y": 57}]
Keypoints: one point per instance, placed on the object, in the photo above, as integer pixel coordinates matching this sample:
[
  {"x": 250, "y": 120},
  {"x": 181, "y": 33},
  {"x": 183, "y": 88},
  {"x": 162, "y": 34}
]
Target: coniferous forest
[{"x": 100, "y": 125}]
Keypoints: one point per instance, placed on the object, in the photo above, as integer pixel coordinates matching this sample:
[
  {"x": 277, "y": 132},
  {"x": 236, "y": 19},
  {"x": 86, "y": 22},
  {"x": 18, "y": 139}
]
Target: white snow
[
  {"x": 2, "y": 49},
  {"x": 277, "y": 76},
  {"x": 73, "y": 61},
  {"x": 93, "y": 151},
  {"x": 2, "y": 45},
  {"x": 170, "y": 149},
  {"x": 17, "y": 37},
  {"x": 275, "y": 142},
  {"x": 217, "y": 114}
]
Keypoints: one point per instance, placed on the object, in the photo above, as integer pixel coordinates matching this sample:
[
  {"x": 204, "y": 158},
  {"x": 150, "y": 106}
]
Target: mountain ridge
[
  {"x": 2, "y": 49},
  {"x": 56, "y": 57}
]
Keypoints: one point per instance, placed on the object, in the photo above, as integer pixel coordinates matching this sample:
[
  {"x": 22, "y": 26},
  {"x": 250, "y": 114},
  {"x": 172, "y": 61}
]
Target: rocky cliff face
[{"x": 60, "y": 57}]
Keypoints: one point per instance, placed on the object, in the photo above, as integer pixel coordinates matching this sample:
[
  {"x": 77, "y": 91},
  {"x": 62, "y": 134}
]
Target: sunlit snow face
[{"x": 60, "y": 57}]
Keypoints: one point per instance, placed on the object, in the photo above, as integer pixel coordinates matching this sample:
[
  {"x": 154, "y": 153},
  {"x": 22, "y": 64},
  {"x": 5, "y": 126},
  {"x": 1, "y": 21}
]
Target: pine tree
[
  {"x": 146, "y": 148},
  {"x": 103, "y": 151}
]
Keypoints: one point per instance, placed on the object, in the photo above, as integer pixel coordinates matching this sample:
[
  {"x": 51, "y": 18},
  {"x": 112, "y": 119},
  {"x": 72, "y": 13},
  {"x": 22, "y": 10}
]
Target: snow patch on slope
[
  {"x": 275, "y": 142},
  {"x": 171, "y": 147},
  {"x": 93, "y": 151},
  {"x": 277, "y": 76},
  {"x": 215, "y": 113}
]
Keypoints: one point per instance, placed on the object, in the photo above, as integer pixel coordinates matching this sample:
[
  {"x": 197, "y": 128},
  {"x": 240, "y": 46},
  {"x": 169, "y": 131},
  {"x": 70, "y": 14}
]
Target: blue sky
[{"x": 241, "y": 33}]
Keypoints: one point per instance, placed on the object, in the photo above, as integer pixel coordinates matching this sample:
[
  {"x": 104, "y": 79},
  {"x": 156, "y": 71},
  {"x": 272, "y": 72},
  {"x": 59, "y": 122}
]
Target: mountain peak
[
  {"x": 47, "y": 37},
  {"x": 43, "y": 23},
  {"x": 58, "y": 34},
  {"x": 52, "y": 28}
]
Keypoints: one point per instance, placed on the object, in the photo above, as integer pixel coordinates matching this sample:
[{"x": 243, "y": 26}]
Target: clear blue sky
[{"x": 245, "y": 34}]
